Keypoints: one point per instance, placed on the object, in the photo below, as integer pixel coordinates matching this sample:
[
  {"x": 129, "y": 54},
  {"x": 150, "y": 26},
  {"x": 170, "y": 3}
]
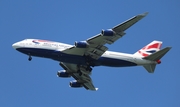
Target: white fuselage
[{"x": 54, "y": 50}]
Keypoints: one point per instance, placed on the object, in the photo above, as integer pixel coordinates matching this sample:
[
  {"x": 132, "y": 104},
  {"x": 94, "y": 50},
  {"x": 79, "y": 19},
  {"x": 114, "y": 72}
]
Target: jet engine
[
  {"x": 108, "y": 32},
  {"x": 63, "y": 73},
  {"x": 75, "y": 84},
  {"x": 81, "y": 44}
]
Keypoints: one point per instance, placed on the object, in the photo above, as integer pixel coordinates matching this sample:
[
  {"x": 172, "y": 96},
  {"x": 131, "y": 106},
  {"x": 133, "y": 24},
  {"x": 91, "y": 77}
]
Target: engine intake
[
  {"x": 108, "y": 32},
  {"x": 63, "y": 73},
  {"x": 75, "y": 84},
  {"x": 81, "y": 44}
]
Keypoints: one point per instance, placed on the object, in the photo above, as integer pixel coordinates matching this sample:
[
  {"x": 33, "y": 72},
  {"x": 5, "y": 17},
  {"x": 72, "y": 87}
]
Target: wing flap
[
  {"x": 96, "y": 52},
  {"x": 75, "y": 51}
]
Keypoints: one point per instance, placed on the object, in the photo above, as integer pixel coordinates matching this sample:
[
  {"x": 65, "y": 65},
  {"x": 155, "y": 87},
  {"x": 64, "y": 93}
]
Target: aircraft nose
[{"x": 15, "y": 45}]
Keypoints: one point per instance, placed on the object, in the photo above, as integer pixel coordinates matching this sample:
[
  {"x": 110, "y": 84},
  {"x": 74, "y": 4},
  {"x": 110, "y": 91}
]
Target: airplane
[{"x": 78, "y": 60}]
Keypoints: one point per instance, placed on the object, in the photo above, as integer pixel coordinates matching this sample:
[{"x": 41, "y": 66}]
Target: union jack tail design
[{"x": 152, "y": 47}]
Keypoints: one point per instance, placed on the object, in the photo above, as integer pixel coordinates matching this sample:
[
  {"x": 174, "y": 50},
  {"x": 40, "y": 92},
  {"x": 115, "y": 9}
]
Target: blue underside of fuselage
[{"x": 75, "y": 59}]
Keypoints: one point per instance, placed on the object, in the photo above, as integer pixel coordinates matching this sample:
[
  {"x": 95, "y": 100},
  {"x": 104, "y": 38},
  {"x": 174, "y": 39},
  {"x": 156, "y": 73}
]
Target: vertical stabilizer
[{"x": 149, "y": 49}]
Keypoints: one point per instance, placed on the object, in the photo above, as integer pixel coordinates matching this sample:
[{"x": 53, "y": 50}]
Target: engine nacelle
[
  {"x": 63, "y": 73},
  {"x": 108, "y": 32},
  {"x": 75, "y": 84},
  {"x": 81, "y": 44}
]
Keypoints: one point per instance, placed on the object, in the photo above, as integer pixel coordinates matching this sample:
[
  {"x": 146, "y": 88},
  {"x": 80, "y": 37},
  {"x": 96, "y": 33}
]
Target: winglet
[{"x": 96, "y": 89}]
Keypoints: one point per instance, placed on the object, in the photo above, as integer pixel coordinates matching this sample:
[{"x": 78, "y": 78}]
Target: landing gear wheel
[{"x": 30, "y": 58}]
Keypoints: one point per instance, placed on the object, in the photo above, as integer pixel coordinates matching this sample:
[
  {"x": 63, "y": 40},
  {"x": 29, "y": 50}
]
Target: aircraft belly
[
  {"x": 53, "y": 54},
  {"x": 113, "y": 62},
  {"x": 75, "y": 59}
]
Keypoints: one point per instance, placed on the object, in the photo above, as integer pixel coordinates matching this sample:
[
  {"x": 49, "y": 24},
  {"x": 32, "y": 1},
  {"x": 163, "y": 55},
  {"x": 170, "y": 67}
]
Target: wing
[
  {"x": 83, "y": 79},
  {"x": 94, "y": 46}
]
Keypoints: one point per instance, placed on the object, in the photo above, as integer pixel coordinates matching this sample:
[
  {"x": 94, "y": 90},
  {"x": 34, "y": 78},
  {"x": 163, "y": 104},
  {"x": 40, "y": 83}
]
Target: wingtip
[
  {"x": 144, "y": 14},
  {"x": 95, "y": 89}
]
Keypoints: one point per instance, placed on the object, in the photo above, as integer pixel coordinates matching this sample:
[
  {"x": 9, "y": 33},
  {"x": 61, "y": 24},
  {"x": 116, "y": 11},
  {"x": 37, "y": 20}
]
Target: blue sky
[{"x": 27, "y": 84}]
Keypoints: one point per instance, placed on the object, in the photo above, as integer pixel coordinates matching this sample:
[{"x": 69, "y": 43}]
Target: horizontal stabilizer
[
  {"x": 150, "y": 68},
  {"x": 157, "y": 55}
]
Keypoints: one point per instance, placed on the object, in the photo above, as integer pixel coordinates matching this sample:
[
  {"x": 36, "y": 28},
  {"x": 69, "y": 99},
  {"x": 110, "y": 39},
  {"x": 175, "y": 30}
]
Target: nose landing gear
[{"x": 30, "y": 58}]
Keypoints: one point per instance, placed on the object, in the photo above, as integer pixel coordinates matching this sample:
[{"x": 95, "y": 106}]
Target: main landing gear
[
  {"x": 30, "y": 58},
  {"x": 84, "y": 70},
  {"x": 80, "y": 73}
]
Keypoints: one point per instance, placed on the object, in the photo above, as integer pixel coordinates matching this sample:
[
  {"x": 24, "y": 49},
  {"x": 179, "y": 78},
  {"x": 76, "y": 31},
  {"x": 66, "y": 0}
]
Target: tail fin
[
  {"x": 152, "y": 52},
  {"x": 155, "y": 57},
  {"x": 149, "y": 49}
]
